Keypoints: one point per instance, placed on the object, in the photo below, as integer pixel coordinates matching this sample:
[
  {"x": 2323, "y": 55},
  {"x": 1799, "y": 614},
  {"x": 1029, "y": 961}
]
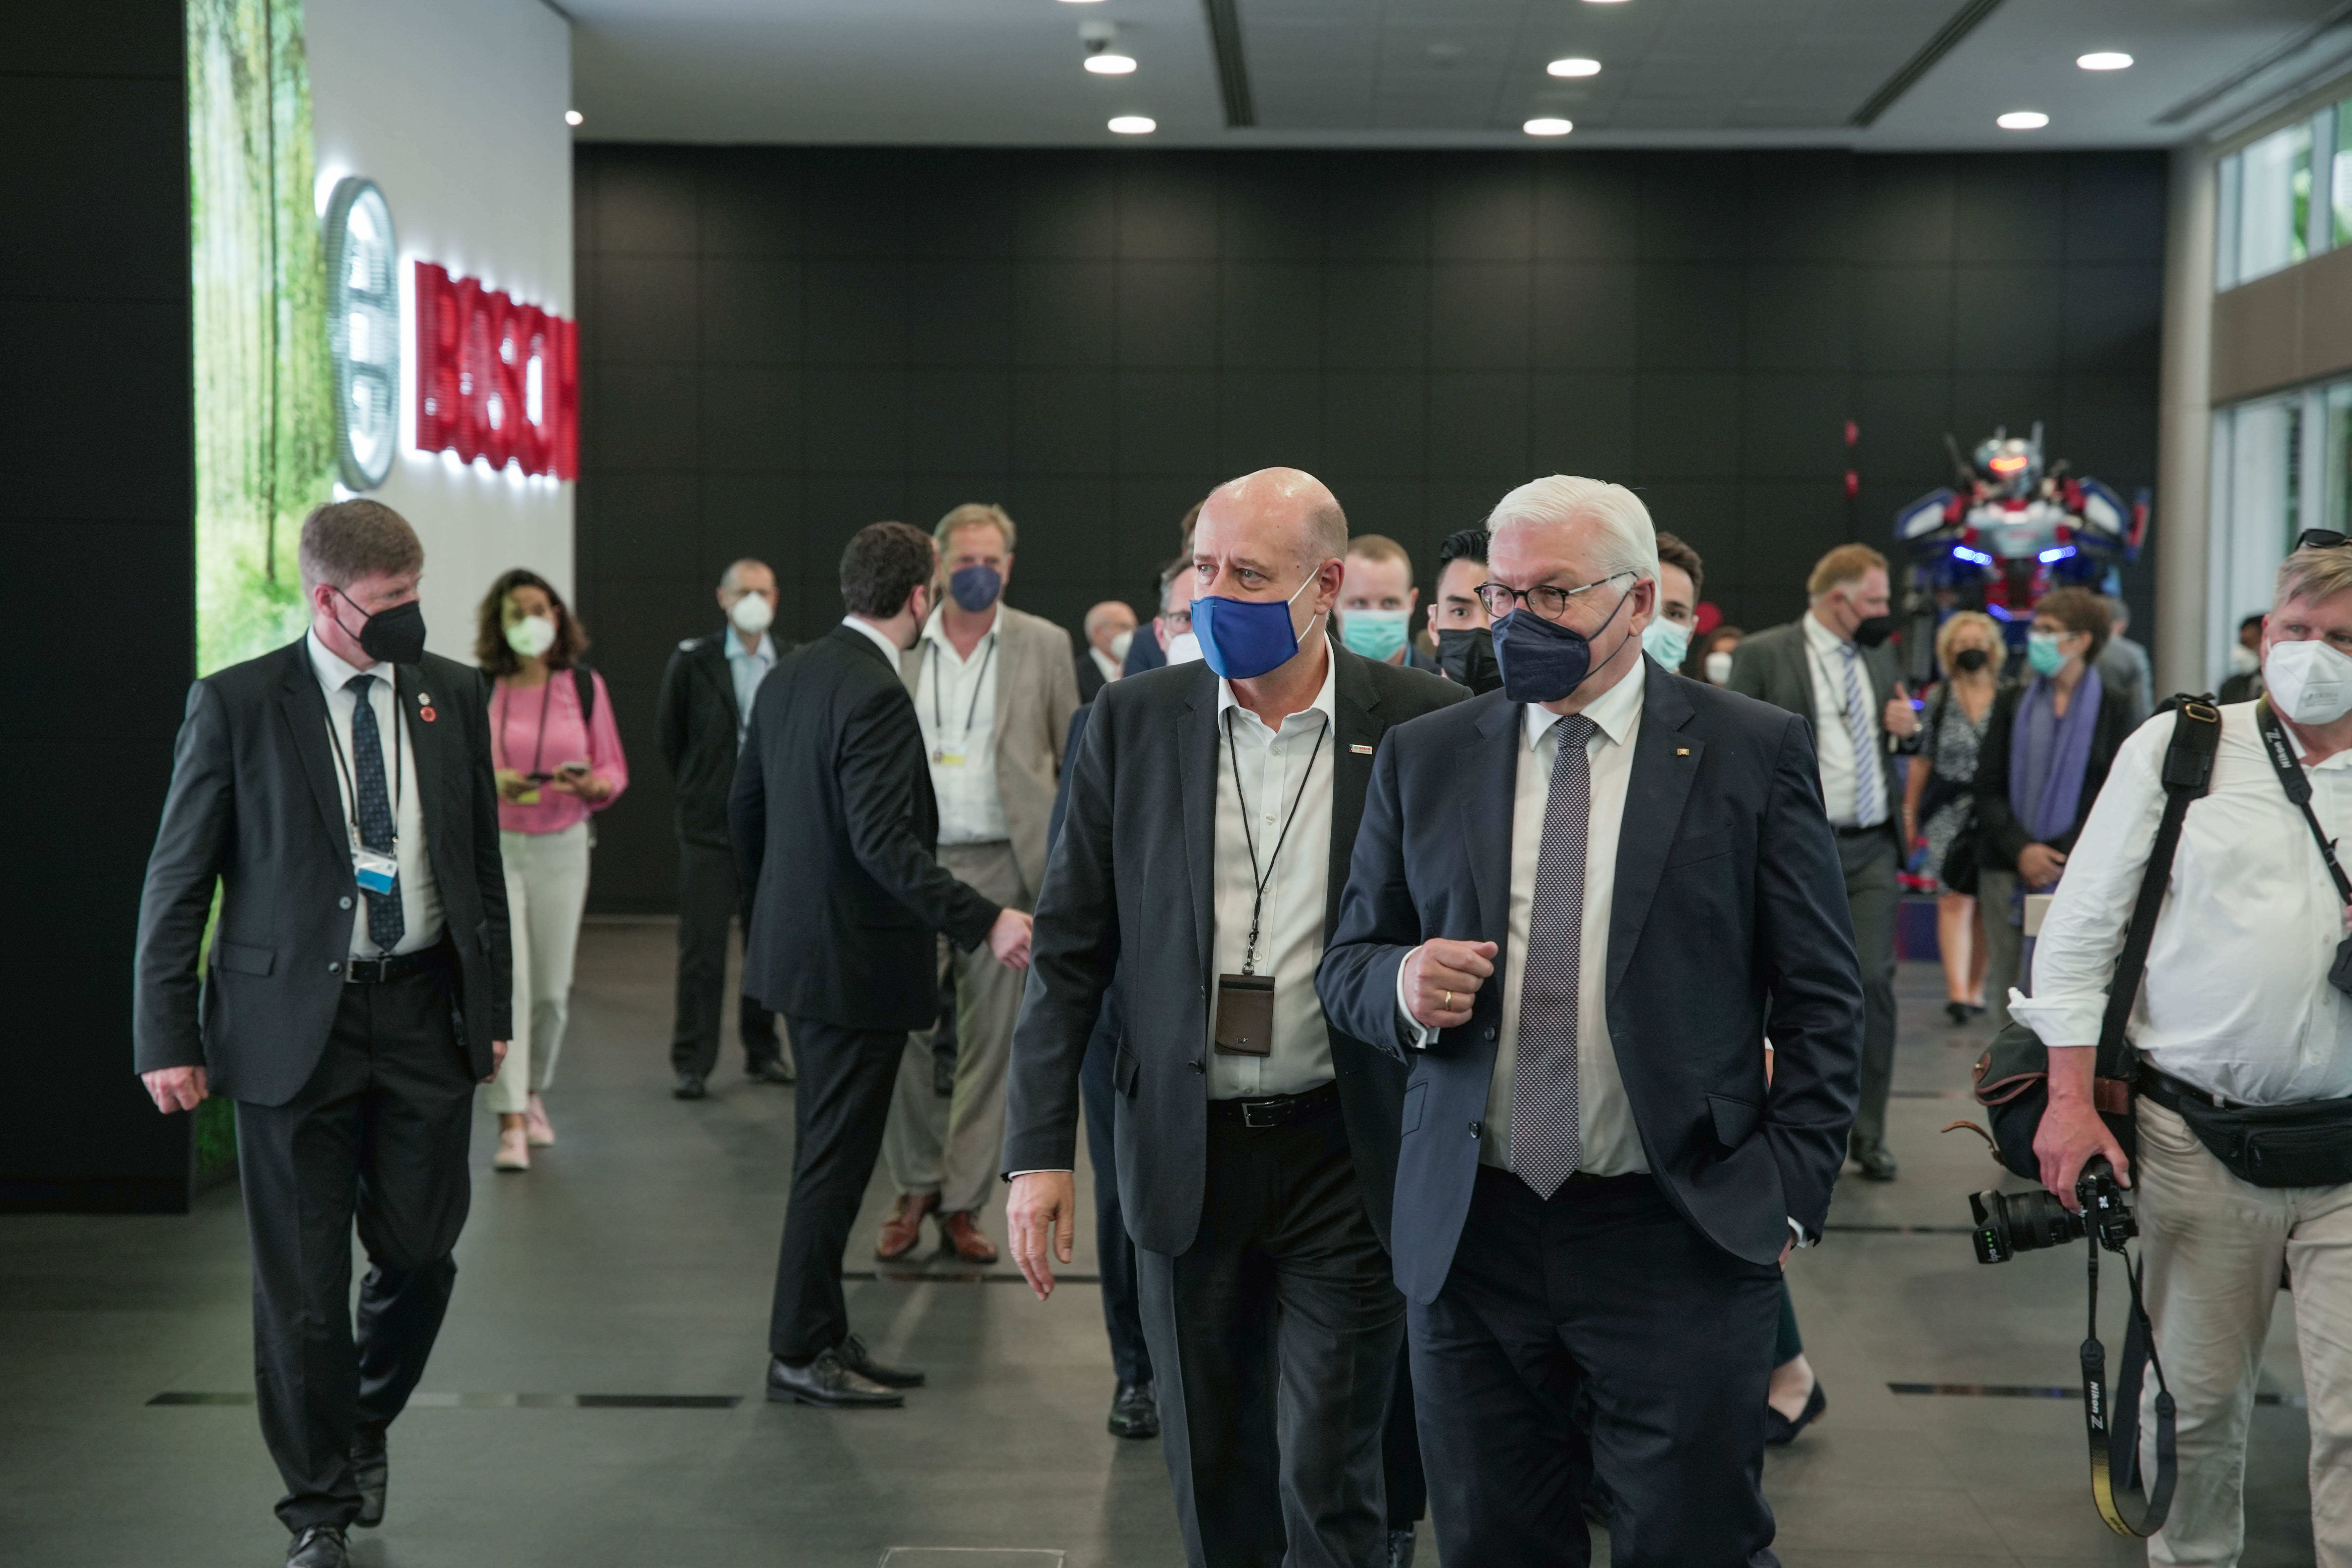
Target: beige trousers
[
  {"x": 547, "y": 889},
  {"x": 2214, "y": 1247},
  {"x": 955, "y": 1147}
]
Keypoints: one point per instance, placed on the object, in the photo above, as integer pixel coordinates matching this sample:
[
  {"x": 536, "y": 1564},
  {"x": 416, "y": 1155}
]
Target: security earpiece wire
[{"x": 2115, "y": 1459}]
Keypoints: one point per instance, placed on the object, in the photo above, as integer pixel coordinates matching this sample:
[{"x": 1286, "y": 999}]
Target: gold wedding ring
[{"x": 1449, "y": 1001}]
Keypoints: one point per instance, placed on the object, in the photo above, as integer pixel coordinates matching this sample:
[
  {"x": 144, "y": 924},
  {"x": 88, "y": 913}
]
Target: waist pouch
[{"x": 2306, "y": 1145}]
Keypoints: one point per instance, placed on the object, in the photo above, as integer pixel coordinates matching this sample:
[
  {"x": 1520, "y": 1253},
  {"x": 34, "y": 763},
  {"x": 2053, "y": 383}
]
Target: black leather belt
[
  {"x": 2169, "y": 1091},
  {"x": 400, "y": 966},
  {"x": 1861, "y": 832},
  {"x": 1277, "y": 1109}
]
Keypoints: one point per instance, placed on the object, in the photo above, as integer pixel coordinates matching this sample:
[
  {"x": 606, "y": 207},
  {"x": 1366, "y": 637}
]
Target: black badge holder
[
  {"x": 1245, "y": 1001},
  {"x": 2284, "y": 761}
]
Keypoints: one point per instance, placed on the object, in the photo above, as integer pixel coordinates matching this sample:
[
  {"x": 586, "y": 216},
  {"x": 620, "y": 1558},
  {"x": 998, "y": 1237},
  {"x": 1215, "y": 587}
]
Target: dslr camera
[{"x": 2012, "y": 1223}]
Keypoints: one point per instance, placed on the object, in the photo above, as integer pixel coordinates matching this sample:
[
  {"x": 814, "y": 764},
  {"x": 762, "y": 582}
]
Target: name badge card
[
  {"x": 376, "y": 871},
  {"x": 1245, "y": 1014}
]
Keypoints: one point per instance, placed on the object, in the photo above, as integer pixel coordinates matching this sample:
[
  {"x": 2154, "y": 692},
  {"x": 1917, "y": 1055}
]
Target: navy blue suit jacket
[{"x": 1729, "y": 924}]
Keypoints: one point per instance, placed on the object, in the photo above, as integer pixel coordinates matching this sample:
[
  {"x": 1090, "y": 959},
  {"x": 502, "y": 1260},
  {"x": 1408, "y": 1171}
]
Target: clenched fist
[{"x": 1441, "y": 980}]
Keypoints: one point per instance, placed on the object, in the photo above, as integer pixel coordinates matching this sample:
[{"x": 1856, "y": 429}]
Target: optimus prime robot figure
[{"x": 2007, "y": 532}]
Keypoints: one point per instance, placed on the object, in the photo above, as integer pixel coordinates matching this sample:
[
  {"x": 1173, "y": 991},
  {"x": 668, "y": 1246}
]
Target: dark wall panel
[{"x": 784, "y": 344}]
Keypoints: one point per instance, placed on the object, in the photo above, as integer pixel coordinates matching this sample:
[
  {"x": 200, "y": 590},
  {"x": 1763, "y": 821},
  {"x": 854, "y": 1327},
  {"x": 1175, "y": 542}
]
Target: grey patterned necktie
[
  {"x": 372, "y": 805},
  {"x": 1546, "y": 1144}
]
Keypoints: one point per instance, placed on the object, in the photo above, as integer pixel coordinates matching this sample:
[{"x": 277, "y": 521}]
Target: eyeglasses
[
  {"x": 1180, "y": 621},
  {"x": 2322, "y": 539},
  {"x": 1545, "y": 600}
]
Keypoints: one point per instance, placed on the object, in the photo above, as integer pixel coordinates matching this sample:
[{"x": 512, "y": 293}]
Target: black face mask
[
  {"x": 1466, "y": 654},
  {"x": 1871, "y": 630},
  {"x": 395, "y": 635},
  {"x": 1970, "y": 659}
]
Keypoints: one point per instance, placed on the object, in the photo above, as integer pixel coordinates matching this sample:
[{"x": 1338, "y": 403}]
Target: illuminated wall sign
[
  {"x": 495, "y": 380},
  {"x": 362, "y": 331}
]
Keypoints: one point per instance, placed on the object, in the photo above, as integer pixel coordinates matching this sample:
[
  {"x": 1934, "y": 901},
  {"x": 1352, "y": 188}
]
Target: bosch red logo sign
[{"x": 495, "y": 380}]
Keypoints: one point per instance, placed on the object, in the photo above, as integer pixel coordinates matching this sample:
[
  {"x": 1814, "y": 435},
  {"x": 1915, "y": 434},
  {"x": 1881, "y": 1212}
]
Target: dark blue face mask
[
  {"x": 975, "y": 588},
  {"x": 1543, "y": 661},
  {"x": 1243, "y": 638}
]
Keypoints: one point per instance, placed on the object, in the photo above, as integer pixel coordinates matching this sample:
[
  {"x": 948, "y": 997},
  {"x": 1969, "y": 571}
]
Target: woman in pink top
[{"x": 558, "y": 762}]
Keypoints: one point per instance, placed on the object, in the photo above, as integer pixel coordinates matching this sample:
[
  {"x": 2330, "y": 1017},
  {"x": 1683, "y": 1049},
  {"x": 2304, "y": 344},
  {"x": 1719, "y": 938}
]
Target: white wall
[{"x": 455, "y": 109}]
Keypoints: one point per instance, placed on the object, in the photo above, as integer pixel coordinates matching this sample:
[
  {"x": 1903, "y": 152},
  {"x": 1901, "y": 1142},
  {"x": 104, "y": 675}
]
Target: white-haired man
[
  {"x": 1110, "y": 627},
  {"x": 2236, "y": 1017},
  {"x": 1212, "y": 806},
  {"x": 1579, "y": 906}
]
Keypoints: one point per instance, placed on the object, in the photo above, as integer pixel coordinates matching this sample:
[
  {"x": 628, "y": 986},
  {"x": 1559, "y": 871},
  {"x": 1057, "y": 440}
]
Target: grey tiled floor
[{"x": 637, "y": 1259}]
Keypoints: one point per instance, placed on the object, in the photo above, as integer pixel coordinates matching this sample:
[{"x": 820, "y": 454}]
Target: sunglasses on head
[{"x": 2321, "y": 539}]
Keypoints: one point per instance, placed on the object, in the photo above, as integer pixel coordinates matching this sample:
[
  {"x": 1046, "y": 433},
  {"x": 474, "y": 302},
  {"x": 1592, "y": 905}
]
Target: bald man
[
  {"x": 1109, "y": 628},
  {"x": 1213, "y": 810}
]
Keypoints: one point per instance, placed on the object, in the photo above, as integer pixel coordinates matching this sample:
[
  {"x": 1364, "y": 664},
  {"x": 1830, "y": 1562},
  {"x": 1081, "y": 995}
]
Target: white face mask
[
  {"x": 1184, "y": 647},
  {"x": 1119, "y": 642},
  {"x": 751, "y": 614},
  {"x": 2243, "y": 660},
  {"x": 532, "y": 636},
  {"x": 1718, "y": 667},
  {"x": 2310, "y": 682}
]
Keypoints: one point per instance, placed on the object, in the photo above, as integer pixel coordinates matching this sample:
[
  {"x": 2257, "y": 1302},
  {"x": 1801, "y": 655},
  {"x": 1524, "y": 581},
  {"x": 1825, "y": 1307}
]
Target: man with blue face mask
[{"x": 1211, "y": 809}]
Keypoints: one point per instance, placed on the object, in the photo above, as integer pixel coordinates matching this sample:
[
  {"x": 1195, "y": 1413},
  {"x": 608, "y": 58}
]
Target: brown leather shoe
[
  {"x": 966, "y": 1239},
  {"x": 905, "y": 1226}
]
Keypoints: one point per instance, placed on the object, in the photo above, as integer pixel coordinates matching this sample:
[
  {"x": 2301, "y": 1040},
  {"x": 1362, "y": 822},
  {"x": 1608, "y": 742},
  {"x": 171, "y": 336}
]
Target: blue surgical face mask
[
  {"x": 2041, "y": 652},
  {"x": 1375, "y": 634},
  {"x": 1243, "y": 638},
  {"x": 1543, "y": 661},
  {"x": 1666, "y": 641},
  {"x": 975, "y": 588}
]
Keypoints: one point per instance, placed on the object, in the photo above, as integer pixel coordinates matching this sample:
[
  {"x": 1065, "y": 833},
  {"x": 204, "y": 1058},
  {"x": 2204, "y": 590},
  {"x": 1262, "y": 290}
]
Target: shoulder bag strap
[{"x": 584, "y": 681}]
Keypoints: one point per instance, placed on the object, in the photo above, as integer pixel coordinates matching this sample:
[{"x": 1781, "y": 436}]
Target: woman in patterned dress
[{"x": 1969, "y": 650}]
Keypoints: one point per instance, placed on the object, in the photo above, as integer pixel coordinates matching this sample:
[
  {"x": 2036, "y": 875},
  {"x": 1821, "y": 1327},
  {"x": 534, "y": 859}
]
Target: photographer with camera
[{"x": 2242, "y": 1037}]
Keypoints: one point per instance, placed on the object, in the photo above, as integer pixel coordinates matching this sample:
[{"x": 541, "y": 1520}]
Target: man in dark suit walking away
[
  {"x": 340, "y": 793},
  {"x": 1832, "y": 666},
  {"x": 1205, "y": 846},
  {"x": 834, "y": 817},
  {"x": 705, "y": 713},
  {"x": 1579, "y": 906}
]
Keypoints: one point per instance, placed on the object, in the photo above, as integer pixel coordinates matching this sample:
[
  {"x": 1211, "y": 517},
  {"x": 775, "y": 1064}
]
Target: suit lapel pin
[
  {"x": 1359, "y": 749},
  {"x": 426, "y": 714},
  {"x": 1682, "y": 750},
  {"x": 425, "y": 699}
]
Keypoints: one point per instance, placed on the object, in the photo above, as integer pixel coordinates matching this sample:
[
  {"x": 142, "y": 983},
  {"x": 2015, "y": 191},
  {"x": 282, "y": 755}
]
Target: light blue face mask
[
  {"x": 1375, "y": 634},
  {"x": 2041, "y": 652},
  {"x": 1666, "y": 641}
]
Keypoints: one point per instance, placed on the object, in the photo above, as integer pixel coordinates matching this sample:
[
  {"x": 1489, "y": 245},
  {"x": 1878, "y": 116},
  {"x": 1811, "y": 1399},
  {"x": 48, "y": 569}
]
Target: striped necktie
[{"x": 1869, "y": 775}]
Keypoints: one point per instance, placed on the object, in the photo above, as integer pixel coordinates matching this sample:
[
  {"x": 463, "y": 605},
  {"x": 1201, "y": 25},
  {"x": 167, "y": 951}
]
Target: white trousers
[
  {"x": 2214, "y": 1249},
  {"x": 546, "y": 889}
]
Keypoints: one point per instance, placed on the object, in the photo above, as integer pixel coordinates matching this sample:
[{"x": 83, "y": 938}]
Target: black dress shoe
[
  {"x": 1400, "y": 1546},
  {"x": 369, "y": 1468},
  {"x": 689, "y": 1086},
  {"x": 859, "y": 1360},
  {"x": 1780, "y": 1431},
  {"x": 1957, "y": 1012},
  {"x": 1877, "y": 1164},
  {"x": 770, "y": 1072},
  {"x": 320, "y": 1546},
  {"x": 826, "y": 1381},
  {"x": 1135, "y": 1411}
]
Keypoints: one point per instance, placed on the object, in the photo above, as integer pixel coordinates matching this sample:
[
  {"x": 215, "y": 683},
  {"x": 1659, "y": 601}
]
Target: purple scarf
[{"x": 2048, "y": 755}]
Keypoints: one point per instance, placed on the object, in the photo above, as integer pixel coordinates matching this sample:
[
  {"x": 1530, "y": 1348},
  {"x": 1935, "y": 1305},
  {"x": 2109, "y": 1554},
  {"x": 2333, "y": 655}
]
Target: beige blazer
[{"x": 1037, "y": 692}]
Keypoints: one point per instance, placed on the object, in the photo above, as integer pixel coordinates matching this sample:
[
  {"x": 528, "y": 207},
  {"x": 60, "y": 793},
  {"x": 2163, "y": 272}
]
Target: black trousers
[
  {"x": 839, "y": 1109},
  {"x": 1596, "y": 1333},
  {"x": 379, "y": 1134},
  {"x": 1122, "y": 1309},
  {"x": 1275, "y": 1337},
  {"x": 712, "y": 895},
  {"x": 1873, "y": 897}
]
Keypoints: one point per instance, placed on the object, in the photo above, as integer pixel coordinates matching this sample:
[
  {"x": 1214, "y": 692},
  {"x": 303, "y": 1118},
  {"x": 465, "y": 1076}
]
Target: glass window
[
  {"x": 2229, "y": 176},
  {"x": 2274, "y": 202},
  {"x": 2342, "y": 180},
  {"x": 2337, "y": 478},
  {"x": 2257, "y": 511}
]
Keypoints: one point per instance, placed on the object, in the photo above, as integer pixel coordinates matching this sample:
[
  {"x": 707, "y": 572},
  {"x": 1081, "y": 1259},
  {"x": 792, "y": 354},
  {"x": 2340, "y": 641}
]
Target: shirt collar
[
  {"x": 934, "y": 631},
  {"x": 765, "y": 652},
  {"x": 333, "y": 673},
  {"x": 1324, "y": 702},
  {"x": 1612, "y": 712},
  {"x": 866, "y": 627},
  {"x": 1823, "y": 639}
]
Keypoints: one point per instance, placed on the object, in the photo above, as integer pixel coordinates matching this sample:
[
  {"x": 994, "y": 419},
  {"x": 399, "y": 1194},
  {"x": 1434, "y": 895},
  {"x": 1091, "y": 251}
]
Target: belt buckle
[
  {"x": 363, "y": 971},
  {"x": 1251, "y": 1110}
]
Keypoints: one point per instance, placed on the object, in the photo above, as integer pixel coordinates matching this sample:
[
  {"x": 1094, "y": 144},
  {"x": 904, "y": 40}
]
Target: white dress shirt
[
  {"x": 1829, "y": 654},
  {"x": 1277, "y": 768},
  {"x": 1103, "y": 662},
  {"x": 748, "y": 667},
  {"x": 955, "y": 699},
  {"x": 2236, "y": 999},
  {"x": 872, "y": 634},
  {"x": 420, "y": 894}
]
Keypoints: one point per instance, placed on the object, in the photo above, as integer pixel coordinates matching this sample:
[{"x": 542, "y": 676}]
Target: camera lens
[{"x": 2012, "y": 1223}]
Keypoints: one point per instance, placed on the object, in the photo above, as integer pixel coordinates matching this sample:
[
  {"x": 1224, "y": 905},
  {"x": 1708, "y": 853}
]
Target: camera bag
[{"x": 2012, "y": 1077}]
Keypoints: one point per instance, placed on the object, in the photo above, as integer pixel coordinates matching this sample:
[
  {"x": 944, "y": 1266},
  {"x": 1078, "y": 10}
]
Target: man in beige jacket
[{"x": 994, "y": 689}]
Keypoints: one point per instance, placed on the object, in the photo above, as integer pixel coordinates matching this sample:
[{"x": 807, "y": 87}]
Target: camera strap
[
  {"x": 2280, "y": 749},
  {"x": 2114, "y": 1424}
]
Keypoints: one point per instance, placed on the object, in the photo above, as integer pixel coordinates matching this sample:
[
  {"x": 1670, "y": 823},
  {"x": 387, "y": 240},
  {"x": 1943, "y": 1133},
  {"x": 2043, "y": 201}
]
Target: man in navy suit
[{"x": 1578, "y": 907}]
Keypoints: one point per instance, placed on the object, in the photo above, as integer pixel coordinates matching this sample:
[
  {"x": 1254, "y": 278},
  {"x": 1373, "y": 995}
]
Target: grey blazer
[{"x": 1773, "y": 665}]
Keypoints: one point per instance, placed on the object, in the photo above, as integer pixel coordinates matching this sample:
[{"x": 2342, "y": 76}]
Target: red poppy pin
[{"x": 426, "y": 714}]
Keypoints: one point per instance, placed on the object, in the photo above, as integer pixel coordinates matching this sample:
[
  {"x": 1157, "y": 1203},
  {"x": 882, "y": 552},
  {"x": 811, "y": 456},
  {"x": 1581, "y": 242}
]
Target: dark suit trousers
[
  {"x": 1595, "y": 1333},
  {"x": 378, "y": 1135},
  {"x": 1275, "y": 1338},
  {"x": 712, "y": 895},
  {"x": 1872, "y": 895},
  {"x": 1122, "y": 1313},
  {"x": 840, "y": 1108}
]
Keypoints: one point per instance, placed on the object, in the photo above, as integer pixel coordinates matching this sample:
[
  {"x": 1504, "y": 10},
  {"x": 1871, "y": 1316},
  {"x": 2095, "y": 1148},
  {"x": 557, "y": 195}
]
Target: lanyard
[
  {"x": 972, "y": 712},
  {"x": 2298, "y": 790},
  {"x": 1259, "y": 880},
  {"x": 343, "y": 765},
  {"x": 499, "y": 736}
]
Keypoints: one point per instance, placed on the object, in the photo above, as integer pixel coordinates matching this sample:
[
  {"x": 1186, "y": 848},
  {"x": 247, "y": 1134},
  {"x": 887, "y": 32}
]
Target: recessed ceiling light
[
  {"x": 1134, "y": 125},
  {"x": 1573, "y": 67},
  {"x": 1548, "y": 127},
  {"x": 1110, "y": 65},
  {"x": 1603, "y": 2},
  {"x": 572, "y": 117},
  {"x": 2104, "y": 60},
  {"x": 2022, "y": 119}
]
